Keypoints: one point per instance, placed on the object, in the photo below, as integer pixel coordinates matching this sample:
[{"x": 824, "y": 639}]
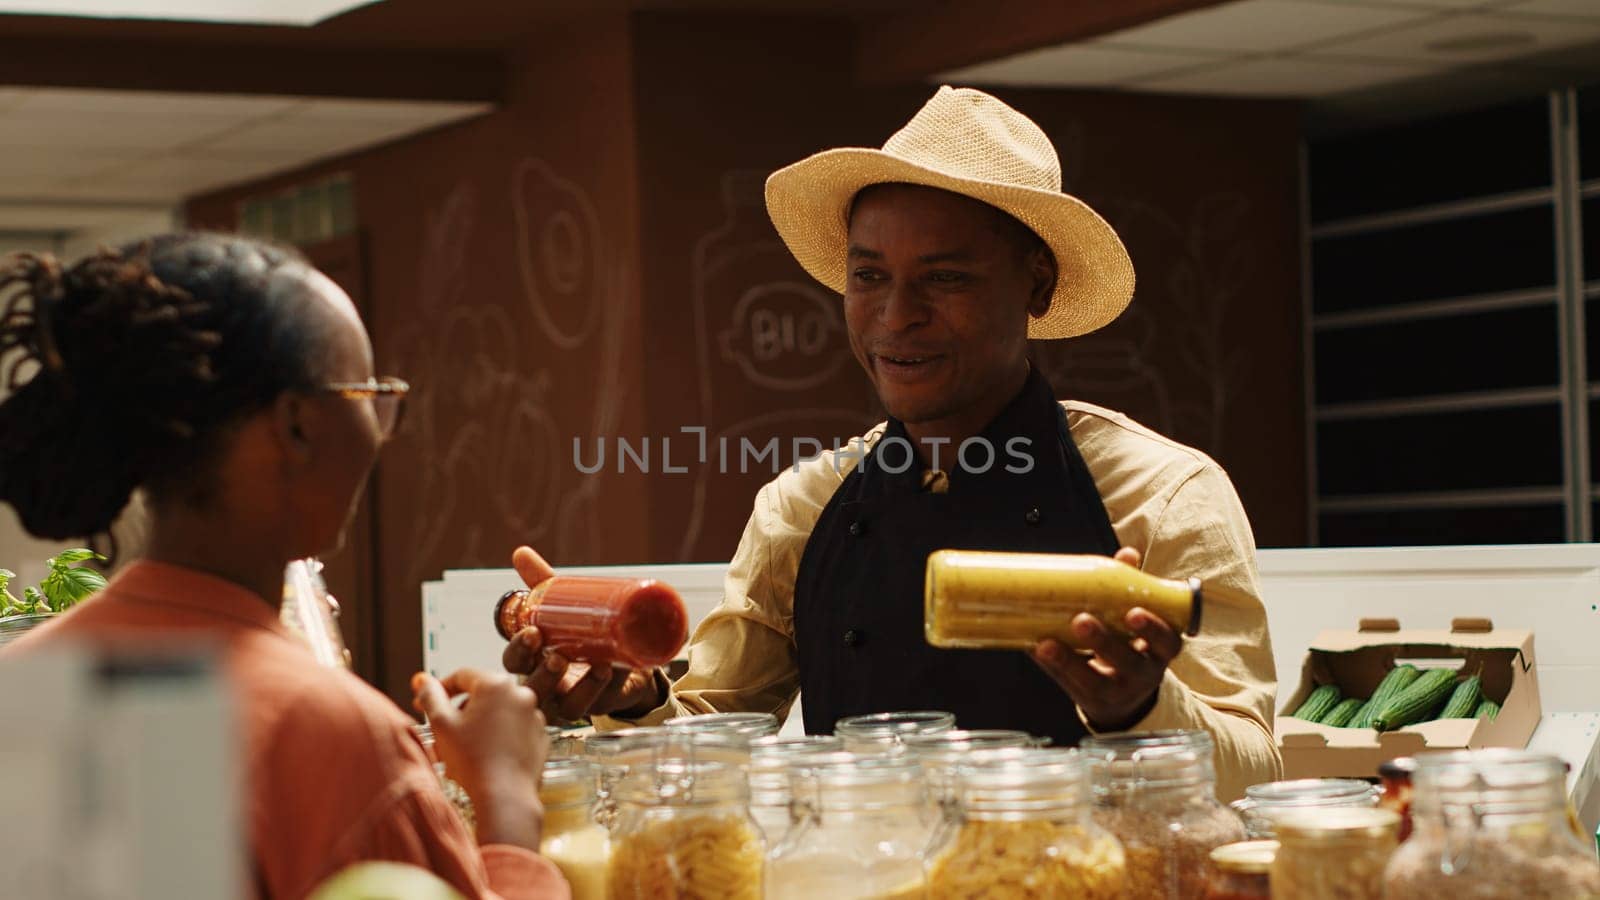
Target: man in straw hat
[{"x": 953, "y": 245}]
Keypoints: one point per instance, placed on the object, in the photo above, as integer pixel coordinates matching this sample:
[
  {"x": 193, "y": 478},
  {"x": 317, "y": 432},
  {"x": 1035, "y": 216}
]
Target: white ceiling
[
  {"x": 75, "y": 159},
  {"x": 1305, "y": 48}
]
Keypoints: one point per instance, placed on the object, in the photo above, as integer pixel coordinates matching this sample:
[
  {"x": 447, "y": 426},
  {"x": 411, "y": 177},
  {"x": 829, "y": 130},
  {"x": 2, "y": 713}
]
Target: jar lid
[
  {"x": 1311, "y": 792},
  {"x": 1338, "y": 822},
  {"x": 1153, "y": 759},
  {"x": 955, "y": 742},
  {"x": 1245, "y": 857},
  {"x": 683, "y": 782},
  {"x": 1401, "y": 768},
  {"x": 611, "y": 744},
  {"x": 749, "y": 724},
  {"x": 891, "y": 726},
  {"x": 775, "y": 746},
  {"x": 1022, "y": 780}
]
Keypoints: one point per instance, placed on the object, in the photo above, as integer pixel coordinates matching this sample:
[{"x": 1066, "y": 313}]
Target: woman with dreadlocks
[{"x": 233, "y": 384}]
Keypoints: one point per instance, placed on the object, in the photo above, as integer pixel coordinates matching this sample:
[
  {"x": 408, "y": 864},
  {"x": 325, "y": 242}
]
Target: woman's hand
[
  {"x": 1116, "y": 687},
  {"x": 494, "y": 746}
]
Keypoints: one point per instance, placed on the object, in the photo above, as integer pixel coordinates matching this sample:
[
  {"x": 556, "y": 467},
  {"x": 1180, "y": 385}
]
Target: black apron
[{"x": 858, "y": 600}]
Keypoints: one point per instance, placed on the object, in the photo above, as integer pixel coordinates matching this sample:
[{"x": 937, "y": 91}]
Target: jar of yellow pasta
[
  {"x": 1022, "y": 829},
  {"x": 614, "y": 753},
  {"x": 863, "y": 824},
  {"x": 1156, "y": 792},
  {"x": 684, "y": 831},
  {"x": 573, "y": 840},
  {"x": 940, "y": 753}
]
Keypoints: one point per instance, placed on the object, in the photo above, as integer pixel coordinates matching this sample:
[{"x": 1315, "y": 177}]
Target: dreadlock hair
[{"x": 128, "y": 367}]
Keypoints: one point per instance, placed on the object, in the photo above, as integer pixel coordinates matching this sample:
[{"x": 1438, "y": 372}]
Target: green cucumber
[
  {"x": 1488, "y": 709},
  {"x": 1418, "y": 701},
  {"x": 1364, "y": 714},
  {"x": 1320, "y": 703},
  {"x": 1340, "y": 715},
  {"x": 1464, "y": 700},
  {"x": 1398, "y": 679}
]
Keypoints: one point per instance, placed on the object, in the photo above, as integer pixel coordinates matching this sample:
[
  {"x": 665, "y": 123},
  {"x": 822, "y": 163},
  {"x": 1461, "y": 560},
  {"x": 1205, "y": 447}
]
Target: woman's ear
[
  {"x": 290, "y": 413},
  {"x": 1042, "y": 265}
]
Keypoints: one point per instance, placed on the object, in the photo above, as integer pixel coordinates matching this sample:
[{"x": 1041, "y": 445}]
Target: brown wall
[
  {"x": 593, "y": 260},
  {"x": 501, "y": 278}
]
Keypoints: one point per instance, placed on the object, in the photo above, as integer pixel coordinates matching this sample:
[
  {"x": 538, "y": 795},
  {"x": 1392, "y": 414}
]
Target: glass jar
[
  {"x": 747, "y": 725},
  {"x": 1022, "y": 828},
  {"x": 862, "y": 826},
  {"x": 1492, "y": 823},
  {"x": 1395, "y": 780},
  {"x": 1156, "y": 792},
  {"x": 455, "y": 793},
  {"x": 985, "y": 600},
  {"x": 939, "y": 753},
  {"x": 636, "y": 623},
  {"x": 1262, "y": 802},
  {"x": 1241, "y": 871},
  {"x": 771, "y": 794},
  {"x": 573, "y": 840},
  {"x": 564, "y": 742},
  {"x": 615, "y": 752},
  {"x": 882, "y": 732},
  {"x": 1333, "y": 854},
  {"x": 684, "y": 830}
]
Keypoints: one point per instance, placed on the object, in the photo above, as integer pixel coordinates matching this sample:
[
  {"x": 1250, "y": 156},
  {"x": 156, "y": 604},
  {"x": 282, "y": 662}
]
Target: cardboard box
[{"x": 1357, "y": 660}]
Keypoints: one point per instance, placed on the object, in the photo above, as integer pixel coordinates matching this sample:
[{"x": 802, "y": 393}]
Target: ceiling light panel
[{"x": 258, "y": 12}]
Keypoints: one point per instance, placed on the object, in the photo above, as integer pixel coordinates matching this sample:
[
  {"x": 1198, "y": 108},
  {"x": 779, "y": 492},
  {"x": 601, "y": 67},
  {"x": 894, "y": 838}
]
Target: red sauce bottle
[{"x": 632, "y": 622}]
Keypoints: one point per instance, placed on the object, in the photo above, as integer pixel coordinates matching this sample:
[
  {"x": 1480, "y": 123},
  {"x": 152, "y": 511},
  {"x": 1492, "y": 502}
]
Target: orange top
[{"x": 335, "y": 775}]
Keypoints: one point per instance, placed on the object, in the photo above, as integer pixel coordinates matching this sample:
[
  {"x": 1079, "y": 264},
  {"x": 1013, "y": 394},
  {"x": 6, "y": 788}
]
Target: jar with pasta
[
  {"x": 863, "y": 823},
  {"x": 572, "y": 839},
  {"x": 1022, "y": 829},
  {"x": 770, "y": 790},
  {"x": 1156, "y": 792},
  {"x": 939, "y": 753},
  {"x": 1492, "y": 823},
  {"x": 614, "y": 753},
  {"x": 883, "y": 732},
  {"x": 1333, "y": 854},
  {"x": 749, "y": 725},
  {"x": 1261, "y": 802},
  {"x": 684, "y": 831}
]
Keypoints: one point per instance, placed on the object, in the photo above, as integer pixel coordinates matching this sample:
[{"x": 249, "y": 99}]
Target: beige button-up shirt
[{"x": 1170, "y": 502}]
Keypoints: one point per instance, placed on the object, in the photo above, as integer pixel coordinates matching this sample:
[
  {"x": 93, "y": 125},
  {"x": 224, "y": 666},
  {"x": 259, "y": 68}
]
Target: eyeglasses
[{"x": 387, "y": 395}]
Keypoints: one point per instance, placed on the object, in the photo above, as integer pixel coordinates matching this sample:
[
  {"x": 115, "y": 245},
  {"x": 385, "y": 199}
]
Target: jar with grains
[
  {"x": 770, "y": 791},
  {"x": 684, "y": 831},
  {"x": 572, "y": 839},
  {"x": 750, "y": 725},
  {"x": 1261, "y": 802},
  {"x": 615, "y": 752},
  {"x": 863, "y": 823},
  {"x": 882, "y": 732},
  {"x": 1022, "y": 828},
  {"x": 939, "y": 753},
  {"x": 1492, "y": 823},
  {"x": 1156, "y": 792},
  {"x": 1333, "y": 854},
  {"x": 1241, "y": 871}
]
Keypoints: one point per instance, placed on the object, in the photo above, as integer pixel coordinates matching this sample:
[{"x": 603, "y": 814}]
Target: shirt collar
[
  {"x": 180, "y": 587},
  {"x": 1032, "y": 413}
]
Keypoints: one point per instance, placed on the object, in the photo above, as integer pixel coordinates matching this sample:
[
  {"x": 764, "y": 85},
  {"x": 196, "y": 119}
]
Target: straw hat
[{"x": 969, "y": 143}]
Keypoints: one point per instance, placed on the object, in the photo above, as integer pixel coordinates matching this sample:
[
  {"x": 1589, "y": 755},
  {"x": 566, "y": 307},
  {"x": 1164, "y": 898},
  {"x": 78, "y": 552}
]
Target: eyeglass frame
[{"x": 374, "y": 389}]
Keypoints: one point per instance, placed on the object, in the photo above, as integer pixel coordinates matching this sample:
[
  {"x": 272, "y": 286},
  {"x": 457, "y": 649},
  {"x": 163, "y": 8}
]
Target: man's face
[{"x": 937, "y": 300}]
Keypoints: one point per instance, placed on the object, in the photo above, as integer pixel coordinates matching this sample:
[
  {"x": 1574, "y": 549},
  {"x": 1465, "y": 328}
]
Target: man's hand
[
  {"x": 494, "y": 746},
  {"x": 1116, "y": 687},
  {"x": 569, "y": 691}
]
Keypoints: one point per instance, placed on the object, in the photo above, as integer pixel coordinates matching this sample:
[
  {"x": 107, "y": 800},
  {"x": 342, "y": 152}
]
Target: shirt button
[
  {"x": 1032, "y": 517},
  {"x": 857, "y": 529},
  {"x": 852, "y": 638}
]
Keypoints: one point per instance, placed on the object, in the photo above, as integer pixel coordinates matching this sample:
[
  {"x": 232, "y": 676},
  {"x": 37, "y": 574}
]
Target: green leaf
[
  {"x": 67, "y": 557},
  {"x": 76, "y": 585},
  {"x": 33, "y": 601}
]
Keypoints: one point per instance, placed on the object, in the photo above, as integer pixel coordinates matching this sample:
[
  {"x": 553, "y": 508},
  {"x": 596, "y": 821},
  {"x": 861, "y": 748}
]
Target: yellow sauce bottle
[{"x": 982, "y": 600}]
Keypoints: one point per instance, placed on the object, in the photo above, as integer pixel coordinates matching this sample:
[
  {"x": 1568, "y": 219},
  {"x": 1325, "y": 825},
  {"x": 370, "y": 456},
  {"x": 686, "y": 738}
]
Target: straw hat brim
[{"x": 809, "y": 203}]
